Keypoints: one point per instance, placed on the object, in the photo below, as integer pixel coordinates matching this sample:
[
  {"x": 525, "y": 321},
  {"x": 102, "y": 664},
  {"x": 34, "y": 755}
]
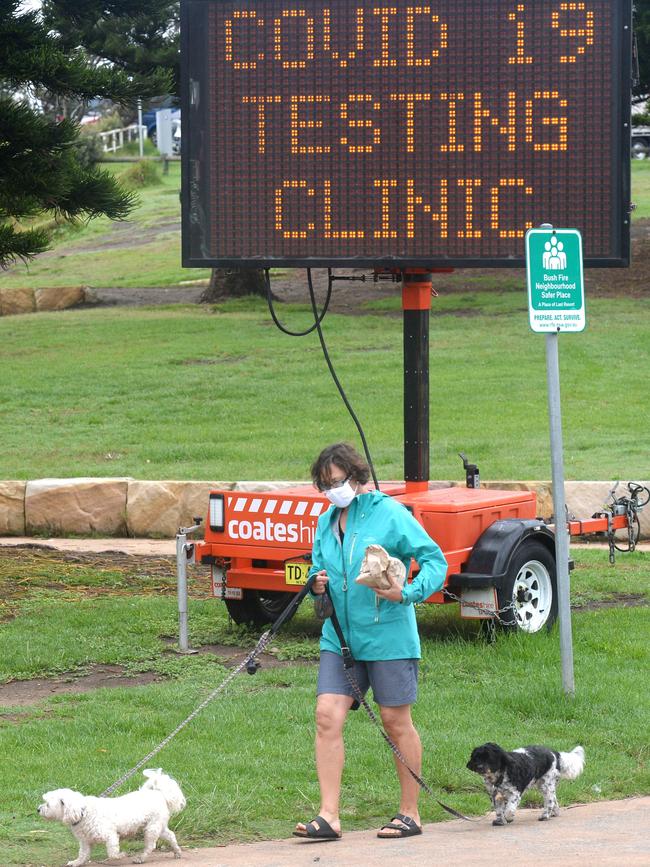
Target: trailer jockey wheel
[
  {"x": 259, "y": 607},
  {"x": 530, "y": 588}
]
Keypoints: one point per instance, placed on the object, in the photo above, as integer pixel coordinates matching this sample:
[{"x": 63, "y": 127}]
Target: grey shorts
[{"x": 394, "y": 682}]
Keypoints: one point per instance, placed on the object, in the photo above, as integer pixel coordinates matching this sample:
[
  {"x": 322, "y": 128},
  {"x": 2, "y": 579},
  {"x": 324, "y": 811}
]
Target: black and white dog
[{"x": 508, "y": 775}]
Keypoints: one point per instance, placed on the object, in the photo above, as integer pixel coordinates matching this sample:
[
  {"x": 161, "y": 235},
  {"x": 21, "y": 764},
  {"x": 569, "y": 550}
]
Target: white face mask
[{"x": 341, "y": 497}]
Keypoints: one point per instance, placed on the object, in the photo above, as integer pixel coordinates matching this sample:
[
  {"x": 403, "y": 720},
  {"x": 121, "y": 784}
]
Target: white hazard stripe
[{"x": 253, "y": 505}]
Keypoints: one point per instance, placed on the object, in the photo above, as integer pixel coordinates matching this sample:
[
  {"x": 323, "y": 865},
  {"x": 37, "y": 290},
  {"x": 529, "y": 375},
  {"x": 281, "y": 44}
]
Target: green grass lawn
[
  {"x": 245, "y": 763},
  {"x": 219, "y": 393}
]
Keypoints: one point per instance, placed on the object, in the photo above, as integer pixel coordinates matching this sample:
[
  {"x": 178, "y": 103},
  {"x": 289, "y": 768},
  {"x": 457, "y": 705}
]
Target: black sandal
[
  {"x": 406, "y": 828},
  {"x": 318, "y": 829}
]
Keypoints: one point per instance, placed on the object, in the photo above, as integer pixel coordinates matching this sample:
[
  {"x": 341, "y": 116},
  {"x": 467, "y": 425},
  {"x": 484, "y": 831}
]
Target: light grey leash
[
  {"x": 259, "y": 647},
  {"x": 359, "y": 696}
]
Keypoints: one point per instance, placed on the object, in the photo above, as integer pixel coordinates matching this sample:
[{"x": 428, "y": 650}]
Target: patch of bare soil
[
  {"x": 126, "y": 235},
  {"x": 18, "y": 693},
  {"x": 132, "y": 566},
  {"x": 290, "y": 286},
  {"x": 133, "y": 569},
  {"x": 617, "y": 600},
  {"x": 350, "y": 296},
  {"x": 24, "y": 693},
  {"x": 230, "y": 655}
]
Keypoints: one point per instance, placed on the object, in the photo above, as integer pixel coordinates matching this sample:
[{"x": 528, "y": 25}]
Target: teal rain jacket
[{"x": 375, "y": 628}]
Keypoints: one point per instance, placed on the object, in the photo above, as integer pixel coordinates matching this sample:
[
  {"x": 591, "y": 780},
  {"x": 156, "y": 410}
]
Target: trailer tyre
[
  {"x": 530, "y": 588},
  {"x": 259, "y": 607}
]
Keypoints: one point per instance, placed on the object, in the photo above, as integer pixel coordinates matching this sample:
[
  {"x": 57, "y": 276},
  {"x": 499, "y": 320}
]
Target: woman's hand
[
  {"x": 320, "y": 583},
  {"x": 393, "y": 594}
]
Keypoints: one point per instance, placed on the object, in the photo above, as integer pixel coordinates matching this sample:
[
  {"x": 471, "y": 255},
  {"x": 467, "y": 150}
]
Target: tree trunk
[{"x": 233, "y": 283}]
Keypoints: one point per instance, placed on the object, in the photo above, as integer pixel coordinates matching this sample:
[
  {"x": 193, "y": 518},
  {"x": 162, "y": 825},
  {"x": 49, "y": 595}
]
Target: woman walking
[{"x": 379, "y": 627}]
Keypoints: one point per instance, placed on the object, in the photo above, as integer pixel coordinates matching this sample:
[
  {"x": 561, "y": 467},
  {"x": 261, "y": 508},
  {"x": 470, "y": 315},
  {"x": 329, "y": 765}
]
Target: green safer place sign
[{"x": 556, "y": 299}]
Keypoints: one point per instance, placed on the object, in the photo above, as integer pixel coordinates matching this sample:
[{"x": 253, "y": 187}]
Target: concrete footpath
[
  {"x": 141, "y": 547},
  {"x": 162, "y": 547},
  {"x": 615, "y": 833}
]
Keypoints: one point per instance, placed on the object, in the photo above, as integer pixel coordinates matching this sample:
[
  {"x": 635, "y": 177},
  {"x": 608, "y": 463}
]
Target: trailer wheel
[
  {"x": 259, "y": 607},
  {"x": 530, "y": 588}
]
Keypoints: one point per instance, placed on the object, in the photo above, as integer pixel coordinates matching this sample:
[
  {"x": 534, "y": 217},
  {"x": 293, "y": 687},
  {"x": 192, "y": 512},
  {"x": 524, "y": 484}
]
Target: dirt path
[{"x": 350, "y": 296}]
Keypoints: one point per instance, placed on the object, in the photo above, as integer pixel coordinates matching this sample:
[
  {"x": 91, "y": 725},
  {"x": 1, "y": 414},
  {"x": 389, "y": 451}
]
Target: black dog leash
[{"x": 348, "y": 664}]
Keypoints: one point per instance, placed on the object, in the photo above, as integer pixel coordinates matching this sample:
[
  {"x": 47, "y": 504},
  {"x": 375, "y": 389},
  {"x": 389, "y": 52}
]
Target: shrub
[
  {"x": 89, "y": 150},
  {"x": 139, "y": 175}
]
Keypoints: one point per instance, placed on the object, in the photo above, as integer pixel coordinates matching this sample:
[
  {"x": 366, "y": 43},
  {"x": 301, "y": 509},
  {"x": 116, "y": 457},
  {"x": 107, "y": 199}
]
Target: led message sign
[{"x": 412, "y": 133}]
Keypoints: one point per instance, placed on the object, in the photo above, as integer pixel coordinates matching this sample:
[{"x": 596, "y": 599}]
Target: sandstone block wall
[
  {"x": 24, "y": 300},
  {"x": 16, "y": 301},
  {"x": 585, "y": 498},
  {"x": 59, "y": 298},
  {"x": 156, "y": 509},
  {"x": 264, "y": 486},
  {"x": 12, "y": 508},
  {"x": 544, "y": 491},
  {"x": 84, "y": 507}
]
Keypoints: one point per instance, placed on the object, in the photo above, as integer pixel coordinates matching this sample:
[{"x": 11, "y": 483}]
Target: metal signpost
[{"x": 556, "y": 303}]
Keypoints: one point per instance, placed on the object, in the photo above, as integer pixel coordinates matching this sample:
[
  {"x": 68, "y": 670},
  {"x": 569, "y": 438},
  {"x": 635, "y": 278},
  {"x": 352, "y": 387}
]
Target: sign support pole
[
  {"x": 559, "y": 508},
  {"x": 416, "y": 303},
  {"x": 556, "y": 303}
]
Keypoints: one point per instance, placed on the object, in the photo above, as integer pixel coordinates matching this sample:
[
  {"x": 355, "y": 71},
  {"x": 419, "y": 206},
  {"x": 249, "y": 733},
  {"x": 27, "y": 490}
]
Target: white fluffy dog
[{"x": 105, "y": 820}]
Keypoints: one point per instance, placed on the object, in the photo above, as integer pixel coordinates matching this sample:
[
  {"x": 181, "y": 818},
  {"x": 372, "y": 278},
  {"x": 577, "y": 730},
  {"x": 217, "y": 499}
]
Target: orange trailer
[{"x": 501, "y": 557}]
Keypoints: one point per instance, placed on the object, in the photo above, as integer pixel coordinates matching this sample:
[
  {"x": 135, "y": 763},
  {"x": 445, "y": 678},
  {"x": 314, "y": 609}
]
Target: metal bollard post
[{"x": 183, "y": 552}]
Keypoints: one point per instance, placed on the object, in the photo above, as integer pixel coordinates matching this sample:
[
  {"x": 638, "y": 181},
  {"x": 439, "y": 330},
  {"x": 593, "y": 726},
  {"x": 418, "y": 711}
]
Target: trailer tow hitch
[{"x": 629, "y": 507}]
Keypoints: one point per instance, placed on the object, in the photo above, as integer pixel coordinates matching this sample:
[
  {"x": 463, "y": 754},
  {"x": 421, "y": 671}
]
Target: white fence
[{"x": 114, "y": 139}]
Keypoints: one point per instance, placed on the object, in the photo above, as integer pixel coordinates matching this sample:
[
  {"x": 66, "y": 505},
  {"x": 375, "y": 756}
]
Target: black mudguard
[{"x": 490, "y": 558}]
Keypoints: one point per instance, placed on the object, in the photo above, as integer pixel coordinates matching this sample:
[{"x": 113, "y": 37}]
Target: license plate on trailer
[
  {"x": 220, "y": 588},
  {"x": 228, "y": 593},
  {"x": 296, "y": 573},
  {"x": 478, "y": 603}
]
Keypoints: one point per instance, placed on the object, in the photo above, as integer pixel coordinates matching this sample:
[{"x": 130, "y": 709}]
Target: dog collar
[{"x": 83, "y": 813}]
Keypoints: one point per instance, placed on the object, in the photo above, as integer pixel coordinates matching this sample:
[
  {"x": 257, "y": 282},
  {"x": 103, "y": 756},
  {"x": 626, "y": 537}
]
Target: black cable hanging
[
  {"x": 317, "y": 323},
  {"x": 318, "y": 318}
]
